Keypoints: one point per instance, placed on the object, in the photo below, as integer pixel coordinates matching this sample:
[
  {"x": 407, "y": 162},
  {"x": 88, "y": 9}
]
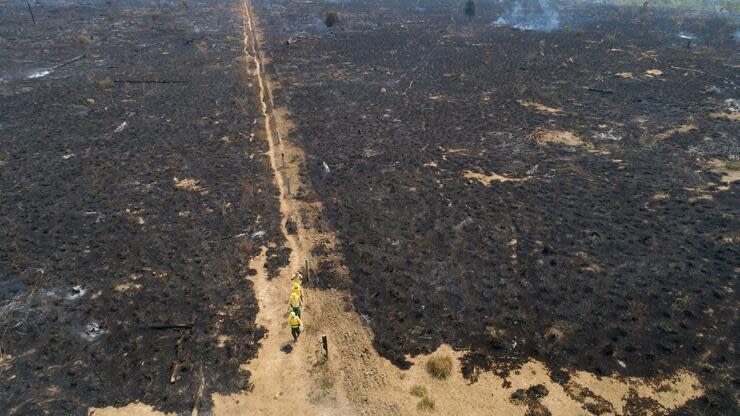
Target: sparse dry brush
[
  {"x": 106, "y": 84},
  {"x": 440, "y": 366},
  {"x": 202, "y": 46},
  {"x": 732, "y": 165},
  {"x": 323, "y": 379},
  {"x": 419, "y": 391},
  {"x": 81, "y": 39},
  {"x": 426, "y": 403}
]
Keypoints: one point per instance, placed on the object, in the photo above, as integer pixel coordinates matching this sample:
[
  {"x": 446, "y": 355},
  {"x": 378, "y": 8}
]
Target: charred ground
[
  {"x": 133, "y": 198},
  {"x": 565, "y": 196}
]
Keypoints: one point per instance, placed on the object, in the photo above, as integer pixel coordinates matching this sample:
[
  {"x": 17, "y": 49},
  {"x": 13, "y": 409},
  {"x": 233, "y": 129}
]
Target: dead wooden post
[
  {"x": 287, "y": 185},
  {"x": 282, "y": 160},
  {"x": 307, "y": 274},
  {"x": 31, "y": 11},
  {"x": 63, "y": 64},
  {"x": 325, "y": 343}
]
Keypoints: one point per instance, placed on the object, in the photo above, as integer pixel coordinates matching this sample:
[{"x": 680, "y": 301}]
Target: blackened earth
[
  {"x": 133, "y": 198},
  {"x": 616, "y": 256}
]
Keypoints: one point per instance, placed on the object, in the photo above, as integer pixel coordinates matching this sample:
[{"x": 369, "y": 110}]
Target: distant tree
[
  {"x": 470, "y": 9},
  {"x": 332, "y": 18},
  {"x": 645, "y": 11}
]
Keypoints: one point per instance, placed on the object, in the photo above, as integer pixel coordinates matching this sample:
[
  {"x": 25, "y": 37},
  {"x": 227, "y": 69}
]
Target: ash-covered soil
[
  {"x": 133, "y": 198},
  {"x": 565, "y": 196}
]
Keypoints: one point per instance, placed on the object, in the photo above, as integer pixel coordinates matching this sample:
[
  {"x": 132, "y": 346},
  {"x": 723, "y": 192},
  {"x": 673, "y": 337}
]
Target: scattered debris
[
  {"x": 609, "y": 135},
  {"x": 188, "y": 184},
  {"x": 539, "y": 107},
  {"x": 487, "y": 179},
  {"x": 76, "y": 292},
  {"x": 120, "y": 127},
  {"x": 38, "y": 73},
  {"x": 92, "y": 331},
  {"x": 124, "y": 287}
]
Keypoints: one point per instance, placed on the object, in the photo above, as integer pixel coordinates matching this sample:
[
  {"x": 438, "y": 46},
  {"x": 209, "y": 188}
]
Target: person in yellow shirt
[
  {"x": 295, "y": 325},
  {"x": 294, "y": 304},
  {"x": 299, "y": 290},
  {"x": 297, "y": 278}
]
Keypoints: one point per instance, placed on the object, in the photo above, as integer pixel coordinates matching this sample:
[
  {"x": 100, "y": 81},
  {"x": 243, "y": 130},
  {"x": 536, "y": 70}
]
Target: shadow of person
[{"x": 287, "y": 347}]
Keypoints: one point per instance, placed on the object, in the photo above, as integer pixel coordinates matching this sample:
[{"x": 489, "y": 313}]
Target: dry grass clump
[
  {"x": 81, "y": 39},
  {"x": 323, "y": 381},
  {"x": 544, "y": 136},
  {"x": 419, "y": 391},
  {"x": 440, "y": 366},
  {"x": 106, "y": 84},
  {"x": 426, "y": 403},
  {"x": 732, "y": 165}
]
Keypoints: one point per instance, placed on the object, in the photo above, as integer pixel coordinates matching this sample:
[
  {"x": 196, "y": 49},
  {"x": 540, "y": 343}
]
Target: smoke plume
[{"x": 529, "y": 15}]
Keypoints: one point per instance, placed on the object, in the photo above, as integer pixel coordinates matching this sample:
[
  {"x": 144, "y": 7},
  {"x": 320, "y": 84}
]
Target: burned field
[
  {"x": 566, "y": 196},
  {"x": 133, "y": 198}
]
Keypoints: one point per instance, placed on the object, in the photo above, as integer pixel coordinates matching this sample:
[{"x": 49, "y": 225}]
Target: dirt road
[{"x": 281, "y": 379}]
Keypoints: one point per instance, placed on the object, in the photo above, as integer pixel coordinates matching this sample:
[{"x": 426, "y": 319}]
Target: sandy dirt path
[
  {"x": 282, "y": 381},
  {"x": 356, "y": 380}
]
